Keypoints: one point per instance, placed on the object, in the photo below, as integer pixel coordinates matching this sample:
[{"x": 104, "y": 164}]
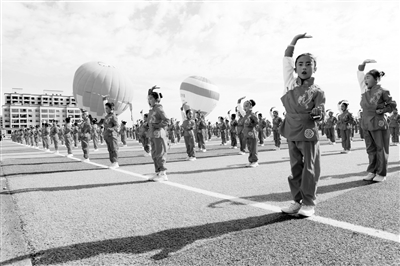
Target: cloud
[{"x": 238, "y": 45}]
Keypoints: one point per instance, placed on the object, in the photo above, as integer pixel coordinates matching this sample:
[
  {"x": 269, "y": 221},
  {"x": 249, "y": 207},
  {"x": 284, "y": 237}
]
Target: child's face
[
  {"x": 305, "y": 67},
  {"x": 370, "y": 81},
  {"x": 108, "y": 109},
  {"x": 151, "y": 100},
  {"x": 343, "y": 107},
  {"x": 189, "y": 115},
  {"x": 247, "y": 106}
]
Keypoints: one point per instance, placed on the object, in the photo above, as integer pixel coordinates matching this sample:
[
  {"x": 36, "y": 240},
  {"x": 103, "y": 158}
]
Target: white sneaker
[
  {"x": 277, "y": 149},
  {"x": 242, "y": 153},
  {"x": 307, "y": 210},
  {"x": 203, "y": 150},
  {"x": 235, "y": 147},
  {"x": 146, "y": 154},
  {"x": 294, "y": 207},
  {"x": 192, "y": 159},
  {"x": 70, "y": 155},
  {"x": 369, "y": 177},
  {"x": 155, "y": 175},
  {"x": 262, "y": 145},
  {"x": 96, "y": 150},
  {"x": 114, "y": 165},
  {"x": 333, "y": 143},
  {"x": 379, "y": 178},
  {"x": 255, "y": 164},
  {"x": 86, "y": 160},
  {"x": 162, "y": 176}
]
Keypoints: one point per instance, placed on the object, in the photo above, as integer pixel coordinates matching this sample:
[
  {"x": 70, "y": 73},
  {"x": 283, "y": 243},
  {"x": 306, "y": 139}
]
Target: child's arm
[
  {"x": 240, "y": 107},
  {"x": 288, "y": 64},
  {"x": 360, "y": 74}
]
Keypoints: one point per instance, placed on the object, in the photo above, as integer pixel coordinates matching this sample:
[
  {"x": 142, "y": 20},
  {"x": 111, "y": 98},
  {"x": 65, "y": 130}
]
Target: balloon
[
  {"x": 93, "y": 80},
  {"x": 200, "y": 94}
]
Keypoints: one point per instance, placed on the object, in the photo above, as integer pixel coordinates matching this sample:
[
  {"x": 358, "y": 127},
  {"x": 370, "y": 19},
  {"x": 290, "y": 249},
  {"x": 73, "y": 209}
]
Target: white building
[{"x": 21, "y": 110}]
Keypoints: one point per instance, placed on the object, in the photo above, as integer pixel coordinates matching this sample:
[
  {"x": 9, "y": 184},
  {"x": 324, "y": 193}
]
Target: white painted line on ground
[{"x": 344, "y": 225}]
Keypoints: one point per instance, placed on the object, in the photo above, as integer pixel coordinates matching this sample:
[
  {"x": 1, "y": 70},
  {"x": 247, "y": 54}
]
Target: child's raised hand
[
  {"x": 366, "y": 61},
  {"x": 240, "y": 99},
  {"x": 302, "y": 36}
]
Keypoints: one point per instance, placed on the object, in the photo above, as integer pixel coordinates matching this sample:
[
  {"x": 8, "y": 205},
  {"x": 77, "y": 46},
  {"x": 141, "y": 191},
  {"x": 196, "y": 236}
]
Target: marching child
[
  {"x": 375, "y": 102},
  {"x": 250, "y": 132},
  {"x": 233, "y": 131},
  {"x": 222, "y": 129},
  {"x": 111, "y": 133},
  {"x": 304, "y": 103},
  {"x": 276, "y": 124},
  {"x": 330, "y": 123},
  {"x": 188, "y": 134},
  {"x": 84, "y": 134},
  {"x": 68, "y": 136},
  {"x": 345, "y": 120},
  {"x": 144, "y": 135},
  {"x": 158, "y": 121}
]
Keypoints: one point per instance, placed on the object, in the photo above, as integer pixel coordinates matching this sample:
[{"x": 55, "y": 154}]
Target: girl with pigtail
[
  {"x": 250, "y": 132},
  {"x": 158, "y": 121},
  {"x": 375, "y": 102}
]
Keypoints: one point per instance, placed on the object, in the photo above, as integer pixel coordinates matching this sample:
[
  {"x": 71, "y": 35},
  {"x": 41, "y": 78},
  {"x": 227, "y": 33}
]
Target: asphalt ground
[{"x": 213, "y": 211}]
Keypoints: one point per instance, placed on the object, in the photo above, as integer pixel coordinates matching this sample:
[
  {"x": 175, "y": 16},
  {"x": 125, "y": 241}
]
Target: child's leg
[
  {"x": 371, "y": 150},
  {"x": 381, "y": 141},
  {"x": 252, "y": 146},
  {"x": 158, "y": 153},
  {"x": 305, "y": 173}
]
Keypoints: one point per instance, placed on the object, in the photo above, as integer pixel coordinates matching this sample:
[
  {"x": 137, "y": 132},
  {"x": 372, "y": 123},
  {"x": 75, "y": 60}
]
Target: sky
[{"x": 237, "y": 45}]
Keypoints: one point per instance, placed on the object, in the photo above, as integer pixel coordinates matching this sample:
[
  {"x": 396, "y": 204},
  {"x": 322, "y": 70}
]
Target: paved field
[{"x": 214, "y": 211}]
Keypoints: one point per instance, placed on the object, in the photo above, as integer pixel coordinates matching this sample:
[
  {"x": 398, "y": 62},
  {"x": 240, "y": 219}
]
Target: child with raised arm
[
  {"x": 250, "y": 132},
  {"x": 304, "y": 103},
  {"x": 188, "y": 134},
  {"x": 375, "y": 102}
]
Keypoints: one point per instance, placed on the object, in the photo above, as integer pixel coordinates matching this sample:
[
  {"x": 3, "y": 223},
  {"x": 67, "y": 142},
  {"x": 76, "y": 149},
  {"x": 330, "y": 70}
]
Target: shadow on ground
[{"x": 168, "y": 241}]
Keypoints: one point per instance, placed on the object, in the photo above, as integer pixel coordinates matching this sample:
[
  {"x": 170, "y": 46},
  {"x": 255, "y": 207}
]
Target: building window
[
  {"x": 45, "y": 116},
  {"x": 14, "y": 110},
  {"x": 51, "y": 116},
  {"x": 52, "y": 111},
  {"x": 45, "y": 111}
]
